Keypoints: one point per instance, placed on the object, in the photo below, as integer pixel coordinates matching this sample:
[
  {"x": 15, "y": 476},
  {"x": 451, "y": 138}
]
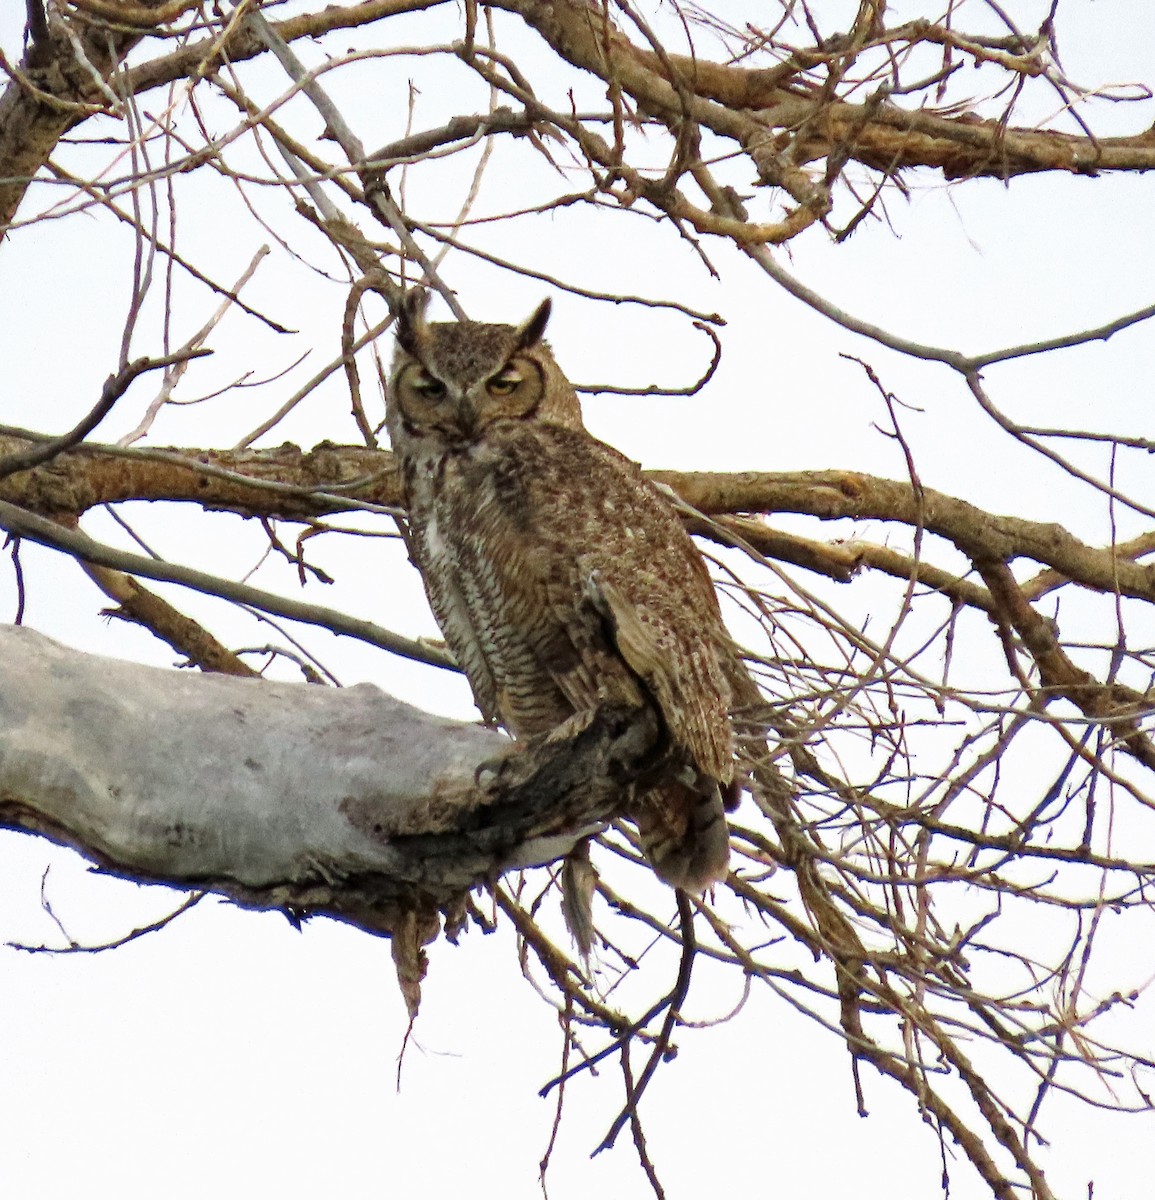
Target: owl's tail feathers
[{"x": 683, "y": 833}]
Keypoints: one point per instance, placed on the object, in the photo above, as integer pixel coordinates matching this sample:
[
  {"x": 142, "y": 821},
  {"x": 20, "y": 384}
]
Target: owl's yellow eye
[{"x": 505, "y": 383}]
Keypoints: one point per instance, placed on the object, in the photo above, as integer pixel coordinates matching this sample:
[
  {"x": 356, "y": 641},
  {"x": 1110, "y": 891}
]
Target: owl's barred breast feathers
[{"x": 561, "y": 578}]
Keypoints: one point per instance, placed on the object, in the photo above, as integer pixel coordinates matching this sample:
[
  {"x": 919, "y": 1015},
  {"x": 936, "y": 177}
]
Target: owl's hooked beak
[
  {"x": 465, "y": 415},
  {"x": 458, "y": 421}
]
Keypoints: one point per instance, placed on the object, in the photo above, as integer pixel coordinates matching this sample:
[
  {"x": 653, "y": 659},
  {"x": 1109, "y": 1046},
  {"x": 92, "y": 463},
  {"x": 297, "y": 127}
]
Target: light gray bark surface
[
  {"x": 183, "y": 774},
  {"x": 344, "y": 801}
]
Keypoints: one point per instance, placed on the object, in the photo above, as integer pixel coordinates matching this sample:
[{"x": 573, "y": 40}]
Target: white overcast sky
[{"x": 234, "y": 1056}]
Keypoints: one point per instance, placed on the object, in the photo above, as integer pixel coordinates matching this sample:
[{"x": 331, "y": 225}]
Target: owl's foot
[{"x": 492, "y": 771}]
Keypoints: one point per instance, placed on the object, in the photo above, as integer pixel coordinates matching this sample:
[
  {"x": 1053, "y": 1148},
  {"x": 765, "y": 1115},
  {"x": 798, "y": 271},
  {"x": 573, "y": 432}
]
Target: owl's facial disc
[
  {"x": 424, "y": 401},
  {"x": 458, "y": 396}
]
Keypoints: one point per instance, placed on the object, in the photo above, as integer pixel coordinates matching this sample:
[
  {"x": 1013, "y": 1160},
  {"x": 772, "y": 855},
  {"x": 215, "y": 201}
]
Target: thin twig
[{"x": 115, "y": 387}]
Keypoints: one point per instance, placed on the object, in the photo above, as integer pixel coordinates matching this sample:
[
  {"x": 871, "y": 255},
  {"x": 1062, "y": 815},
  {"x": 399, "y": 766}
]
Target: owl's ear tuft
[
  {"x": 411, "y": 319},
  {"x": 530, "y": 333}
]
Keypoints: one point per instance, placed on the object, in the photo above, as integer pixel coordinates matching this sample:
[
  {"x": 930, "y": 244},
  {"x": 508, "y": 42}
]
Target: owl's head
[{"x": 452, "y": 380}]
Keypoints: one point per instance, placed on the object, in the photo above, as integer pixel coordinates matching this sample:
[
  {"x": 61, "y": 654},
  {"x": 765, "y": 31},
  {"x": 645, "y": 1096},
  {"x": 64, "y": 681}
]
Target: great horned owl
[{"x": 560, "y": 576}]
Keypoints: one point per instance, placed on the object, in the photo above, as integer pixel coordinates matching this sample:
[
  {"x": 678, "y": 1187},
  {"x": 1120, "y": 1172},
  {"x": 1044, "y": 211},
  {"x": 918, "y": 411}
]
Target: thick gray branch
[{"x": 342, "y": 801}]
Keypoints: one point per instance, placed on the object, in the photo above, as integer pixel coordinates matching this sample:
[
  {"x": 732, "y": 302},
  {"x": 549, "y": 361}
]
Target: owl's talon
[{"x": 488, "y": 774}]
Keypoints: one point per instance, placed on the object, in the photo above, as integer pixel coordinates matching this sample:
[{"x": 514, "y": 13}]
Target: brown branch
[
  {"x": 1116, "y": 706},
  {"x": 280, "y": 482},
  {"x": 653, "y": 389},
  {"x": 134, "y": 602},
  {"x": 841, "y": 561},
  {"x": 880, "y": 135},
  {"x": 114, "y": 387},
  {"x": 21, "y": 523},
  {"x": 200, "y": 58},
  {"x": 190, "y": 901},
  {"x": 661, "y": 1048},
  {"x": 37, "y": 21},
  {"x": 459, "y": 129},
  {"x": 44, "y": 96},
  {"x": 832, "y": 495},
  {"x": 124, "y": 12},
  {"x": 753, "y": 107},
  {"x": 563, "y": 973},
  {"x": 289, "y": 483}
]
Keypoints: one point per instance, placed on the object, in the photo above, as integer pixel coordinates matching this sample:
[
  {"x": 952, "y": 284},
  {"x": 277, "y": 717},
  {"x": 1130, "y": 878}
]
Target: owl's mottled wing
[
  {"x": 679, "y": 667},
  {"x": 609, "y": 545}
]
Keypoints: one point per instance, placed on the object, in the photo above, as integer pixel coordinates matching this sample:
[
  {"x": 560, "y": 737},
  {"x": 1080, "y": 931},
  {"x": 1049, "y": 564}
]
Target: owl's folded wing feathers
[{"x": 640, "y": 573}]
